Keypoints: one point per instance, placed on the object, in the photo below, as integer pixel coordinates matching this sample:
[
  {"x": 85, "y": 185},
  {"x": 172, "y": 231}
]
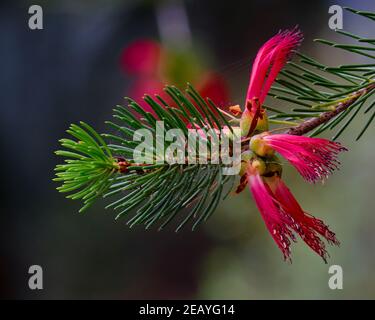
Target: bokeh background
[{"x": 77, "y": 68}]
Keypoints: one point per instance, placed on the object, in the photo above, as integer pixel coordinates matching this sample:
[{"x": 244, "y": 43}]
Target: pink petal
[
  {"x": 141, "y": 57},
  {"x": 275, "y": 220},
  {"x": 314, "y": 158},
  {"x": 307, "y": 226},
  {"x": 270, "y": 59}
]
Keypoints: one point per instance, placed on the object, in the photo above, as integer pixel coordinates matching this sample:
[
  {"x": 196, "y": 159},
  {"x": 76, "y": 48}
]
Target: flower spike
[
  {"x": 269, "y": 61},
  {"x": 283, "y": 215},
  {"x": 314, "y": 158},
  {"x": 276, "y": 222}
]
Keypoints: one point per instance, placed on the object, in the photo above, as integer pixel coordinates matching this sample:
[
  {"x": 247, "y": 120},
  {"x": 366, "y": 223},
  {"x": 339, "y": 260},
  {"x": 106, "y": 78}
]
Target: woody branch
[{"x": 312, "y": 123}]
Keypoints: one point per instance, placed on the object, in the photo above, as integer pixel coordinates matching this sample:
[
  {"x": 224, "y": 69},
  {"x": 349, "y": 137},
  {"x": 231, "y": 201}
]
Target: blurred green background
[{"x": 73, "y": 70}]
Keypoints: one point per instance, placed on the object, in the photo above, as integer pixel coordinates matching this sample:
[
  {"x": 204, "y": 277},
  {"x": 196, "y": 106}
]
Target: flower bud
[
  {"x": 259, "y": 165},
  {"x": 260, "y": 147},
  {"x": 247, "y": 118},
  {"x": 245, "y": 159},
  {"x": 246, "y": 123},
  {"x": 262, "y": 124},
  {"x": 246, "y": 156}
]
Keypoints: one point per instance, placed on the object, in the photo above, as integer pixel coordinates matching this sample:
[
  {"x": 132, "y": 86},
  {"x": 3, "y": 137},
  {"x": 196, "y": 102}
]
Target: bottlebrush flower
[
  {"x": 270, "y": 59},
  {"x": 314, "y": 158},
  {"x": 142, "y": 57},
  {"x": 284, "y": 217}
]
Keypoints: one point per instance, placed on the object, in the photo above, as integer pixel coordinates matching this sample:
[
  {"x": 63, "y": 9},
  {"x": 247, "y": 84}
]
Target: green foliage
[
  {"x": 313, "y": 87},
  {"x": 155, "y": 192},
  {"x": 159, "y": 194},
  {"x": 159, "y": 191},
  {"x": 88, "y": 167}
]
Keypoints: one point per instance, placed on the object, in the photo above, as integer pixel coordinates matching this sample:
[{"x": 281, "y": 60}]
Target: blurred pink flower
[
  {"x": 146, "y": 60},
  {"x": 214, "y": 86},
  {"x": 149, "y": 85},
  {"x": 282, "y": 215},
  {"x": 141, "y": 57}
]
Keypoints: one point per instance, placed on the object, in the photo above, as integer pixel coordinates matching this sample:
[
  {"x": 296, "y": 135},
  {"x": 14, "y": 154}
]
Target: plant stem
[{"x": 342, "y": 105}]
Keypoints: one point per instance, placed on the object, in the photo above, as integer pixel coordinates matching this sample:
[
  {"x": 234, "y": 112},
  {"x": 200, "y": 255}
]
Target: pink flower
[
  {"x": 214, "y": 86},
  {"x": 147, "y": 85},
  {"x": 152, "y": 66},
  {"x": 141, "y": 57},
  {"x": 270, "y": 59},
  {"x": 284, "y": 217},
  {"x": 314, "y": 158}
]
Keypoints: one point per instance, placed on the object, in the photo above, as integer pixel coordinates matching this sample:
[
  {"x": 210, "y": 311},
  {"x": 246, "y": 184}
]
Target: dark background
[{"x": 68, "y": 72}]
